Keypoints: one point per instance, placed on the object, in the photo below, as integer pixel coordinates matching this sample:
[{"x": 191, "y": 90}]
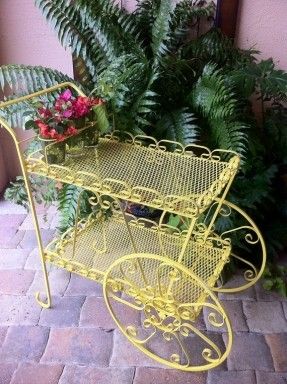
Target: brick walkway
[{"x": 76, "y": 342}]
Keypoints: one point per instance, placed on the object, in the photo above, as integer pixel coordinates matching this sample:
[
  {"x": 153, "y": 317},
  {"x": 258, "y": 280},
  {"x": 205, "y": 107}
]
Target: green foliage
[
  {"x": 44, "y": 191},
  {"x": 21, "y": 79},
  {"x": 269, "y": 82},
  {"x": 159, "y": 81},
  {"x": 279, "y": 282},
  {"x": 68, "y": 200},
  {"x": 178, "y": 126},
  {"x": 161, "y": 29},
  {"x": 218, "y": 105}
]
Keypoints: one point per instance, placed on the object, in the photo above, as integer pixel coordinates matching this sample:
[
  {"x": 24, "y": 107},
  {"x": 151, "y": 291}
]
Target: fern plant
[{"x": 160, "y": 77}]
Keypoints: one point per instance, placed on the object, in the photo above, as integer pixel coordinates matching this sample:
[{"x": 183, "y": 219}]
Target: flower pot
[
  {"x": 53, "y": 151},
  {"x": 87, "y": 137},
  {"x": 91, "y": 136},
  {"x": 75, "y": 146}
]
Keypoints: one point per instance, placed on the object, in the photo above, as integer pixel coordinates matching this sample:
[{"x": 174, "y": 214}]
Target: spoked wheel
[
  {"x": 168, "y": 303},
  {"x": 251, "y": 239}
]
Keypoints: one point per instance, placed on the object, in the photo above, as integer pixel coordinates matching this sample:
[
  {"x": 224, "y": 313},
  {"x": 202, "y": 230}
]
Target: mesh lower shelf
[{"x": 100, "y": 243}]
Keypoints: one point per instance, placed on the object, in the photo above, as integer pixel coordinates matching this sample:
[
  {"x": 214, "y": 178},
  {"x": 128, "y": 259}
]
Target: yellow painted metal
[
  {"x": 87, "y": 258},
  {"x": 5, "y": 125},
  {"x": 166, "y": 274},
  {"x": 170, "y": 332},
  {"x": 252, "y": 237},
  {"x": 142, "y": 171}
]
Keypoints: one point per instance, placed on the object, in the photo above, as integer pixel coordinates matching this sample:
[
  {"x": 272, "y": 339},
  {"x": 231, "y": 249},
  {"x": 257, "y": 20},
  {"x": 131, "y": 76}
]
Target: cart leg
[{"x": 47, "y": 303}]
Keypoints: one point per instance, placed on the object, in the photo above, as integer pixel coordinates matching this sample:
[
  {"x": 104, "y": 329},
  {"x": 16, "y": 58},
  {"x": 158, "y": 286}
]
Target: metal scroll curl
[
  {"x": 168, "y": 330},
  {"x": 251, "y": 238}
]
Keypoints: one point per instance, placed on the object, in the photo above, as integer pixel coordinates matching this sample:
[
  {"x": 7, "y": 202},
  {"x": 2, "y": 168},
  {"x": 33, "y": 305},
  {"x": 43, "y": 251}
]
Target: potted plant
[{"x": 68, "y": 126}]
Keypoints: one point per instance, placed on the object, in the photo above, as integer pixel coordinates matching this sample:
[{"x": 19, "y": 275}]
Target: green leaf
[
  {"x": 161, "y": 28},
  {"x": 31, "y": 125},
  {"x": 101, "y": 117},
  {"x": 178, "y": 126}
]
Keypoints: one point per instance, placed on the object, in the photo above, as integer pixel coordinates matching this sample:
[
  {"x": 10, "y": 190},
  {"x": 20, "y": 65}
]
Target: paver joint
[{"x": 77, "y": 341}]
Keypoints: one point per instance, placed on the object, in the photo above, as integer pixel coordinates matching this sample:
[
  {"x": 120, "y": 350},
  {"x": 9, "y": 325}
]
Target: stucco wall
[
  {"x": 262, "y": 25},
  {"x": 25, "y": 38}
]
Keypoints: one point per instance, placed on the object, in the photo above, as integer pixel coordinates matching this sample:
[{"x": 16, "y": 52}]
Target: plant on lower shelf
[{"x": 161, "y": 76}]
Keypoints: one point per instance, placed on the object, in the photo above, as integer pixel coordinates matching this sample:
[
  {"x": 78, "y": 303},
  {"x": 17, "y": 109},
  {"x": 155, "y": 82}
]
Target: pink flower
[
  {"x": 67, "y": 113},
  {"x": 66, "y": 95}
]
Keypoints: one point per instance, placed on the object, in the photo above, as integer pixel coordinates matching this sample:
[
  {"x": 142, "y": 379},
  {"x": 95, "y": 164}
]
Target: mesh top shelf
[{"x": 180, "y": 181}]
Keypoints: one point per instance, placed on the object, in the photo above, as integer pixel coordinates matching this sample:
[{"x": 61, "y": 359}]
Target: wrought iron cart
[{"x": 160, "y": 283}]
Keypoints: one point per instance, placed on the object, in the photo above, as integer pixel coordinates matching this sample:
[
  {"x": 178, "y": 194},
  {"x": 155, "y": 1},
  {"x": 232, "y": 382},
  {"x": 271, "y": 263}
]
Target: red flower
[
  {"x": 96, "y": 101},
  {"x": 81, "y": 106},
  {"x": 45, "y": 112},
  {"x": 53, "y": 133},
  {"x": 71, "y": 131},
  {"x": 60, "y": 137},
  {"x": 43, "y": 129}
]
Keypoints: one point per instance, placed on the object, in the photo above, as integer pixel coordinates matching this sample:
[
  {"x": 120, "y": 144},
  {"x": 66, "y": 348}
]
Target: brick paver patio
[{"x": 76, "y": 342}]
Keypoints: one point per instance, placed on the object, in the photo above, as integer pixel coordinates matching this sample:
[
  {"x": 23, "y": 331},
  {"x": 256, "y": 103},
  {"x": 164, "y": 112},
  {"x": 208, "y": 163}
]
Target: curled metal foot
[{"x": 43, "y": 304}]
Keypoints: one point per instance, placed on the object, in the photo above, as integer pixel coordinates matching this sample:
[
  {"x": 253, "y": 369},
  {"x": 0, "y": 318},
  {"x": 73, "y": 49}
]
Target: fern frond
[
  {"x": 178, "y": 126},
  {"x": 122, "y": 81},
  {"x": 217, "y": 103},
  {"x": 68, "y": 199},
  {"x": 215, "y": 47},
  {"x": 229, "y": 134},
  {"x": 211, "y": 96},
  {"x": 185, "y": 14},
  {"x": 114, "y": 30},
  {"x": 144, "y": 104},
  {"x": 19, "y": 80},
  {"x": 24, "y": 79},
  {"x": 161, "y": 29},
  {"x": 67, "y": 23}
]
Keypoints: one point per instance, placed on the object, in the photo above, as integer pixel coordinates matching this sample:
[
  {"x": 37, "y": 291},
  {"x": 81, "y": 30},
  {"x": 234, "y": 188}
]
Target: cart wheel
[
  {"x": 167, "y": 312},
  {"x": 250, "y": 237}
]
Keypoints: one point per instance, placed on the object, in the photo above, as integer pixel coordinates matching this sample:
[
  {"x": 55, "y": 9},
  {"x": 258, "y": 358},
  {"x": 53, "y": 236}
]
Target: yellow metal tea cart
[{"x": 166, "y": 279}]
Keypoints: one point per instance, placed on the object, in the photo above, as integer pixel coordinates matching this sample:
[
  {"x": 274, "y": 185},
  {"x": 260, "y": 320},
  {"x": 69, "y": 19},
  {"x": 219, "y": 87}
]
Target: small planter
[
  {"x": 87, "y": 137},
  {"x": 53, "y": 151},
  {"x": 75, "y": 146},
  {"x": 91, "y": 136}
]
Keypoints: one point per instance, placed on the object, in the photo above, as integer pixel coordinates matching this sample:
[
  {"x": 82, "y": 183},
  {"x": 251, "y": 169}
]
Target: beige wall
[
  {"x": 25, "y": 38},
  {"x": 262, "y": 24}
]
